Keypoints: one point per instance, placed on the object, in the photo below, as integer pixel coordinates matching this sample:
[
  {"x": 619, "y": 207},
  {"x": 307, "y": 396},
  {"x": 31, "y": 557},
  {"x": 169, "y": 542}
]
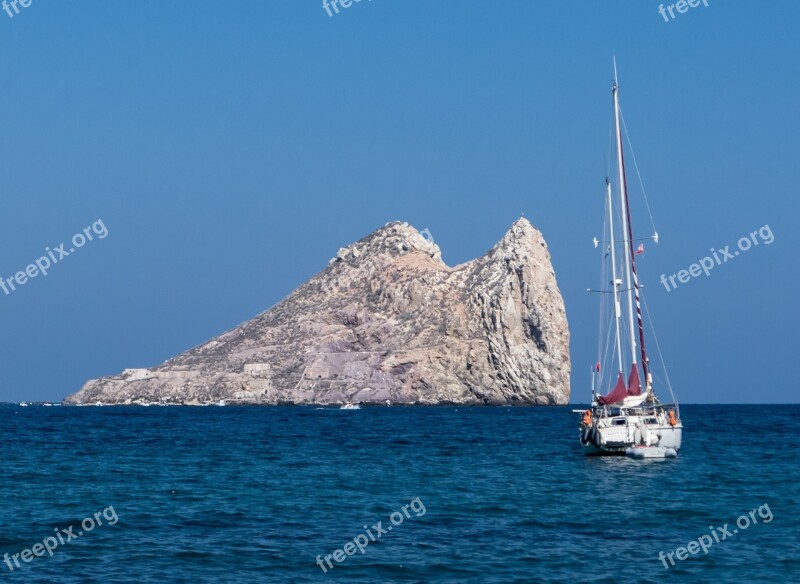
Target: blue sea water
[{"x": 255, "y": 494}]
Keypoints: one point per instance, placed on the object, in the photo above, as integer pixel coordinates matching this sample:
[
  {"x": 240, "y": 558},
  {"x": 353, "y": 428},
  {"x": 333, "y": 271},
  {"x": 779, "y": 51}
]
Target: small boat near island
[
  {"x": 350, "y": 406},
  {"x": 630, "y": 419}
]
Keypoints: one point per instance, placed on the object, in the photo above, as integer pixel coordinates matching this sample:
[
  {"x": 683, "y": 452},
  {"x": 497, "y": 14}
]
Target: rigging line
[
  {"x": 610, "y": 349},
  {"x": 610, "y": 355},
  {"x": 607, "y": 357},
  {"x": 601, "y": 328},
  {"x": 606, "y": 319},
  {"x": 638, "y": 174},
  {"x": 610, "y": 146},
  {"x": 603, "y": 275},
  {"x": 661, "y": 357}
]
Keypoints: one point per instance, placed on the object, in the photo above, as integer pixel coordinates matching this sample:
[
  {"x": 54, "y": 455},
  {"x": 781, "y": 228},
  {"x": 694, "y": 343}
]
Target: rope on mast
[
  {"x": 632, "y": 253},
  {"x": 636, "y": 283}
]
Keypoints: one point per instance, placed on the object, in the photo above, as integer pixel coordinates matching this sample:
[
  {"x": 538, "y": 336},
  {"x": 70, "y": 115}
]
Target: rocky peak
[
  {"x": 386, "y": 243},
  {"x": 387, "y": 320}
]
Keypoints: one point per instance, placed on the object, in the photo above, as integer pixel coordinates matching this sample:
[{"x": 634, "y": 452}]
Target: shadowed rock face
[{"x": 386, "y": 320}]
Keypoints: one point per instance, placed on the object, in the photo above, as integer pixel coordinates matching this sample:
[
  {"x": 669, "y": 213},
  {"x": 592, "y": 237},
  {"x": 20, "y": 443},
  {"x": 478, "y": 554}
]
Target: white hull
[{"x": 614, "y": 434}]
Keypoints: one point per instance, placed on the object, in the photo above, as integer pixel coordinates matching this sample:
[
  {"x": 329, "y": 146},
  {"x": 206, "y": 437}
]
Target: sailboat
[{"x": 629, "y": 419}]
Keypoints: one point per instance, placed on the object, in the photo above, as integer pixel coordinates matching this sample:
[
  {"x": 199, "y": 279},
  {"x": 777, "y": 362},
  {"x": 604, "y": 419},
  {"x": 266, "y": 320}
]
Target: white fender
[{"x": 645, "y": 436}]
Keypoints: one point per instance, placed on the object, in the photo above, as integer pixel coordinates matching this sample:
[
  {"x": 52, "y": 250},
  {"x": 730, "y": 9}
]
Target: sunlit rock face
[{"x": 387, "y": 320}]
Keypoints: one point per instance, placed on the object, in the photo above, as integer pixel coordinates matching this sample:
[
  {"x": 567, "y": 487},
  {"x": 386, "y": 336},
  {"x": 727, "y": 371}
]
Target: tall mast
[
  {"x": 623, "y": 196},
  {"x": 630, "y": 256},
  {"x": 617, "y": 310}
]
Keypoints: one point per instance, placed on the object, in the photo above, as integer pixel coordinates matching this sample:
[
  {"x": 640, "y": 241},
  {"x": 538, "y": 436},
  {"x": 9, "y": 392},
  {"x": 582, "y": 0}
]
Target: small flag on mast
[
  {"x": 597, "y": 367},
  {"x": 640, "y": 249}
]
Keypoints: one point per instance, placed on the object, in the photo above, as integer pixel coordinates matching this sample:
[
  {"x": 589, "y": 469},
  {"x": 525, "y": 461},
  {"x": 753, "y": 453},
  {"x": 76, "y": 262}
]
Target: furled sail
[
  {"x": 616, "y": 395},
  {"x": 634, "y": 385}
]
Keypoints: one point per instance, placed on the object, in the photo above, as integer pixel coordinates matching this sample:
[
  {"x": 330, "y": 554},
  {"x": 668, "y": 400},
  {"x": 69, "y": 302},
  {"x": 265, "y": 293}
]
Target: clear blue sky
[{"x": 231, "y": 149}]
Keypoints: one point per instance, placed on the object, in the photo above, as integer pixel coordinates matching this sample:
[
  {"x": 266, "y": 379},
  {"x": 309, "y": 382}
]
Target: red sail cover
[
  {"x": 634, "y": 385},
  {"x": 617, "y": 394}
]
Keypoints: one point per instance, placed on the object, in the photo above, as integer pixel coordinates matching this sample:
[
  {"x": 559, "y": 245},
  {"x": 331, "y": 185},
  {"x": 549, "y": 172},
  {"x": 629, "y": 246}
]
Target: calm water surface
[{"x": 504, "y": 495}]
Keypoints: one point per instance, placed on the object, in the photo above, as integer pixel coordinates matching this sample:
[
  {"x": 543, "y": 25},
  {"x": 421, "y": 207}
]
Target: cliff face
[{"x": 386, "y": 320}]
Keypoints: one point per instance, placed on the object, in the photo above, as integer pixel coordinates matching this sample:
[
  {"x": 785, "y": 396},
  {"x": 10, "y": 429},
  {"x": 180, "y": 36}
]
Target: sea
[{"x": 391, "y": 494}]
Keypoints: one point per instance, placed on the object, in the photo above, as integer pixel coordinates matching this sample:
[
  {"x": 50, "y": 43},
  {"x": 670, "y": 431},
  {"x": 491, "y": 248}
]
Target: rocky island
[{"x": 386, "y": 322}]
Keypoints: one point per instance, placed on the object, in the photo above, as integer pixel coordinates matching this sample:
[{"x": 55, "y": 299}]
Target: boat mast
[
  {"x": 630, "y": 255},
  {"x": 617, "y": 310},
  {"x": 623, "y": 196}
]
